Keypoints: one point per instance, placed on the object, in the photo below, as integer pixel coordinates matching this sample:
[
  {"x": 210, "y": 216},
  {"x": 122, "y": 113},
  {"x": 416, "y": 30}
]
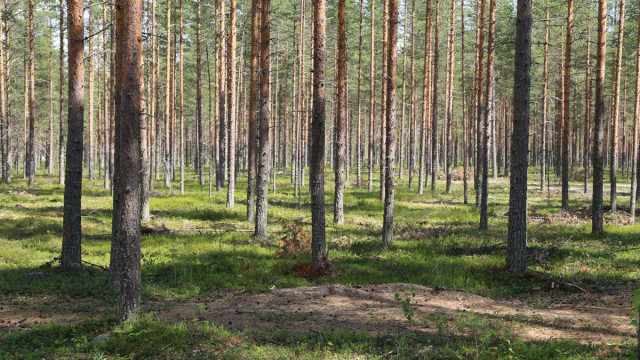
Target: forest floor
[{"x": 211, "y": 291}]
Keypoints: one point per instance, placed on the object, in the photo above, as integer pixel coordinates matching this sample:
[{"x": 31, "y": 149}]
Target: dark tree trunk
[
  {"x": 201, "y": 145},
  {"x": 449, "y": 96},
  {"x": 31, "y": 147},
  {"x": 489, "y": 112},
  {"x": 264, "y": 141},
  {"x": 231, "y": 107},
  {"x": 253, "y": 116},
  {"x": 435, "y": 150},
  {"x": 425, "y": 99},
  {"x": 319, "y": 255},
  {"x": 372, "y": 103},
  {"x": 392, "y": 60},
  {"x": 167, "y": 101},
  {"x": 545, "y": 67},
  {"x": 615, "y": 110},
  {"x": 636, "y": 127},
  {"x": 341, "y": 124},
  {"x": 465, "y": 114},
  {"x": 359, "y": 151},
  {"x": 129, "y": 115},
  {"x": 517, "y": 229},
  {"x": 565, "y": 121},
  {"x": 71, "y": 223},
  {"x": 598, "y": 133}
]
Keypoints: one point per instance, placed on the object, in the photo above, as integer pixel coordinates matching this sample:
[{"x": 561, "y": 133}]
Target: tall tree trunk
[
  {"x": 426, "y": 98},
  {"x": 489, "y": 112},
  {"x": 126, "y": 201},
  {"x": 392, "y": 61},
  {"x": 201, "y": 145},
  {"x": 181, "y": 70},
  {"x": 106, "y": 116},
  {"x": 253, "y": 116},
  {"x": 72, "y": 221},
  {"x": 545, "y": 85},
  {"x": 598, "y": 133},
  {"x": 566, "y": 95},
  {"x": 615, "y": 110},
  {"x": 167, "y": 101},
  {"x": 412, "y": 99},
  {"x": 222, "y": 102},
  {"x": 50, "y": 159},
  {"x": 10, "y": 152},
  {"x": 435, "y": 150},
  {"x": 372, "y": 104},
  {"x": 517, "y": 228},
  {"x": 319, "y": 255},
  {"x": 31, "y": 147},
  {"x": 636, "y": 128},
  {"x": 340, "y": 128},
  {"x": 383, "y": 99},
  {"x": 90, "y": 163},
  {"x": 449, "y": 93},
  {"x": 264, "y": 141},
  {"x": 401, "y": 152},
  {"x": 359, "y": 151},
  {"x": 6, "y": 123},
  {"x": 144, "y": 150},
  {"x": 587, "y": 116},
  {"x": 479, "y": 66},
  {"x": 465, "y": 114},
  {"x": 231, "y": 107}
]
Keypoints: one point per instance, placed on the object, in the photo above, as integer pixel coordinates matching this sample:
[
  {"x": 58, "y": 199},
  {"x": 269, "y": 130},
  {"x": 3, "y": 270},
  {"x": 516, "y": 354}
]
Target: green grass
[{"x": 433, "y": 234}]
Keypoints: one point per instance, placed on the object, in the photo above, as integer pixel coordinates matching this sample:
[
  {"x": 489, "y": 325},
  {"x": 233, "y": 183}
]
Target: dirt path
[{"x": 368, "y": 308}]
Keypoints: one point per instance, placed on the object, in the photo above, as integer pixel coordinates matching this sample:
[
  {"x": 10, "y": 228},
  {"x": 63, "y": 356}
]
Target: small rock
[
  {"x": 102, "y": 337},
  {"x": 34, "y": 276}
]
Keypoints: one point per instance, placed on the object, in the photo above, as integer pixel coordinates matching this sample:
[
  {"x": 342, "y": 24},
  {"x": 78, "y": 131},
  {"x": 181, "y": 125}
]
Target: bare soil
[{"x": 369, "y": 308}]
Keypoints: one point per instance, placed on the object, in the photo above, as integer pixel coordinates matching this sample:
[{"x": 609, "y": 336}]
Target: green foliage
[
  {"x": 405, "y": 300},
  {"x": 295, "y": 241},
  {"x": 436, "y": 245}
]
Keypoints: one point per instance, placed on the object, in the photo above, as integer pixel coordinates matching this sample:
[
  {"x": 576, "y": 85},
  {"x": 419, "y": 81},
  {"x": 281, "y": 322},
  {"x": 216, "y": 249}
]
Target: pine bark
[
  {"x": 372, "y": 104},
  {"x": 359, "y": 150},
  {"x": 31, "y": 147},
  {"x": 489, "y": 112},
  {"x": 341, "y": 123},
  {"x": 465, "y": 115},
  {"x": 435, "y": 149},
  {"x": 636, "y": 128},
  {"x": 181, "y": 74},
  {"x": 253, "y": 115},
  {"x": 566, "y": 96},
  {"x": 392, "y": 61},
  {"x": 319, "y": 255},
  {"x": 91, "y": 137},
  {"x": 72, "y": 221},
  {"x": 615, "y": 111},
  {"x": 129, "y": 115},
  {"x": 6, "y": 123},
  {"x": 598, "y": 133},
  {"x": 231, "y": 107},
  {"x": 264, "y": 140},
  {"x": 449, "y": 95},
  {"x": 545, "y": 85},
  {"x": 167, "y": 101},
  {"x": 517, "y": 227}
]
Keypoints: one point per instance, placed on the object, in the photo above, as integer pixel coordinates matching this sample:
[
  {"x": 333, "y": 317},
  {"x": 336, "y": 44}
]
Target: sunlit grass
[{"x": 428, "y": 230}]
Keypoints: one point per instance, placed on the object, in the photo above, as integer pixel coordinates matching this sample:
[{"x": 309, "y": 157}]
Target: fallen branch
[
  {"x": 165, "y": 230},
  {"x": 553, "y": 279},
  {"x": 95, "y": 265}
]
